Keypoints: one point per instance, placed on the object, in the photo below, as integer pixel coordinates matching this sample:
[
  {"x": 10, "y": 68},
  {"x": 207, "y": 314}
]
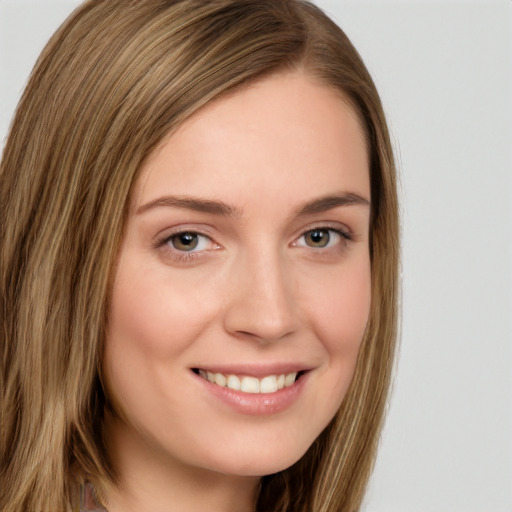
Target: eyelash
[{"x": 190, "y": 256}]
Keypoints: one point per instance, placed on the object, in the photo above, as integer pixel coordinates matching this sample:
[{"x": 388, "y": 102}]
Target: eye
[
  {"x": 318, "y": 238},
  {"x": 185, "y": 246},
  {"x": 322, "y": 238},
  {"x": 189, "y": 241}
]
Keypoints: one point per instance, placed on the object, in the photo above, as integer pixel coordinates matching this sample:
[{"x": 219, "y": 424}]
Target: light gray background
[{"x": 444, "y": 70}]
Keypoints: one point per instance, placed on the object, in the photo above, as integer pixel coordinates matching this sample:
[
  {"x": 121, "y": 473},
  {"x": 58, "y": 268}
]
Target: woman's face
[{"x": 245, "y": 262}]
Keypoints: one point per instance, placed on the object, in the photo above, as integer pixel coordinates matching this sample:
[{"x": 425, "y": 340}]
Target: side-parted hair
[{"x": 116, "y": 79}]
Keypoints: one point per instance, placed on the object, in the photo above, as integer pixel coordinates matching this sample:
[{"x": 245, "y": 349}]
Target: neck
[{"x": 152, "y": 481}]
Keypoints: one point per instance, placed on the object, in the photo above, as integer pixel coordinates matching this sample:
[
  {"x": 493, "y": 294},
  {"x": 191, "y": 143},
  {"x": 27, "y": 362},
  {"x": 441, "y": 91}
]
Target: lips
[
  {"x": 261, "y": 390},
  {"x": 250, "y": 384}
]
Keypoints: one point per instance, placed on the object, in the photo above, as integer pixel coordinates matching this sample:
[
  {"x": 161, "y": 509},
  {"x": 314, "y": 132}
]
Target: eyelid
[
  {"x": 165, "y": 234},
  {"x": 342, "y": 229}
]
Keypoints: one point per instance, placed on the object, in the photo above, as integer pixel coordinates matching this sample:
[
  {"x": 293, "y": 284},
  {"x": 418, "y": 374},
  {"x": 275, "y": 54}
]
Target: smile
[{"x": 249, "y": 384}]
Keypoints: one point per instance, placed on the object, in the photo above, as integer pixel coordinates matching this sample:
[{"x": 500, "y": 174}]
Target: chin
[{"x": 260, "y": 460}]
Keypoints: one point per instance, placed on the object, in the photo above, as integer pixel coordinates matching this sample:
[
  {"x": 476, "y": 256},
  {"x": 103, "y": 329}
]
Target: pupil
[
  {"x": 319, "y": 238},
  {"x": 185, "y": 241}
]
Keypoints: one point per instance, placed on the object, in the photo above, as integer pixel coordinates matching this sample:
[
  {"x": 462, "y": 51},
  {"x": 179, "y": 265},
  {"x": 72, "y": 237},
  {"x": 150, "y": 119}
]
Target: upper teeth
[{"x": 268, "y": 384}]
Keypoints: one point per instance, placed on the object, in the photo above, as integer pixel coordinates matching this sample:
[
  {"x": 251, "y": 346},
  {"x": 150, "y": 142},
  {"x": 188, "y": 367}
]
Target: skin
[{"x": 258, "y": 289}]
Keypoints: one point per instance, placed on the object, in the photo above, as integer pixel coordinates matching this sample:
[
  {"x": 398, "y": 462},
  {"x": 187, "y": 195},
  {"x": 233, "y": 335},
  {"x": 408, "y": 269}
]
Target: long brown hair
[{"x": 114, "y": 80}]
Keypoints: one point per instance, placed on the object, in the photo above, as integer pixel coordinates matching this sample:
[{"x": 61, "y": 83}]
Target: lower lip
[{"x": 257, "y": 404}]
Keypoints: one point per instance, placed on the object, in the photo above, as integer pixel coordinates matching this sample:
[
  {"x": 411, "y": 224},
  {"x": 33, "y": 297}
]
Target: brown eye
[
  {"x": 184, "y": 241},
  {"x": 185, "y": 246},
  {"x": 317, "y": 238}
]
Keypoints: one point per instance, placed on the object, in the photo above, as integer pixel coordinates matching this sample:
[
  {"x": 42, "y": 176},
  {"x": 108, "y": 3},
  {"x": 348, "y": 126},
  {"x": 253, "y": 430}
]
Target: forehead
[{"x": 285, "y": 131}]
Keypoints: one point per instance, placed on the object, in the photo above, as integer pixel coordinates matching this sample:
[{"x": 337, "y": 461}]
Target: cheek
[
  {"x": 340, "y": 317},
  {"x": 342, "y": 310},
  {"x": 151, "y": 325},
  {"x": 154, "y": 316}
]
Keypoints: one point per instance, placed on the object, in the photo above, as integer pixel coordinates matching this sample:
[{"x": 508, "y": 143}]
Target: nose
[{"x": 261, "y": 303}]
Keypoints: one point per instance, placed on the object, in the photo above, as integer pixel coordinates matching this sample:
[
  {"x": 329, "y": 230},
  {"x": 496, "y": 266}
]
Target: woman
[{"x": 199, "y": 263}]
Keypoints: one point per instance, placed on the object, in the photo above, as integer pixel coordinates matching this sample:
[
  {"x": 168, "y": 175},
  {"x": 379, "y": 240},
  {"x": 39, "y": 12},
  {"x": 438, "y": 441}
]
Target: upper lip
[{"x": 254, "y": 370}]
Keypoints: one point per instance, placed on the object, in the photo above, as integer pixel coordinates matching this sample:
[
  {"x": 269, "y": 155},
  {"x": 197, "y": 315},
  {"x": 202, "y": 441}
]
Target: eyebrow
[
  {"x": 192, "y": 203},
  {"x": 220, "y": 208},
  {"x": 326, "y": 203}
]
